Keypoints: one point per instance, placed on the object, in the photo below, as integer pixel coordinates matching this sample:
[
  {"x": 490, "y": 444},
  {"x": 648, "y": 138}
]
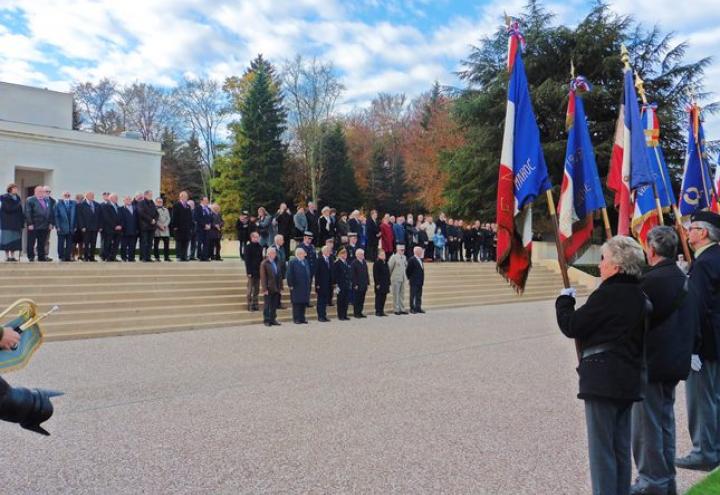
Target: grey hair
[
  {"x": 713, "y": 232},
  {"x": 362, "y": 251},
  {"x": 664, "y": 241},
  {"x": 626, "y": 253},
  {"x": 271, "y": 249}
]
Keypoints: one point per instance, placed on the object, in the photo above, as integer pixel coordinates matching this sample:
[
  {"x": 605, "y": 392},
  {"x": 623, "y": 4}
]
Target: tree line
[{"x": 274, "y": 134}]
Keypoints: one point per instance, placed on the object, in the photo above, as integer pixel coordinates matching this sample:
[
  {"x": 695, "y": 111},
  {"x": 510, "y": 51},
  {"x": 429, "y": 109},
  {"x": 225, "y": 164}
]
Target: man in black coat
[
  {"x": 285, "y": 226},
  {"x": 182, "y": 226},
  {"x": 324, "y": 282},
  {"x": 360, "y": 282},
  {"x": 89, "y": 223},
  {"x": 253, "y": 258},
  {"x": 415, "y": 272},
  {"x": 381, "y": 280},
  {"x": 299, "y": 282},
  {"x": 112, "y": 226},
  {"x": 203, "y": 222},
  {"x": 669, "y": 344},
  {"x": 373, "y": 235},
  {"x": 130, "y": 229},
  {"x": 243, "y": 226},
  {"x": 703, "y": 385},
  {"x": 148, "y": 214},
  {"x": 609, "y": 330},
  {"x": 312, "y": 219},
  {"x": 343, "y": 283}
]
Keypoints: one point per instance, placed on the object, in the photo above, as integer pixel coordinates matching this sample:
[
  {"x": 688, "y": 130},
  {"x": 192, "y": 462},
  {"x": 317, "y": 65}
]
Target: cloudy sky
[{"x": 377, "y": 45}]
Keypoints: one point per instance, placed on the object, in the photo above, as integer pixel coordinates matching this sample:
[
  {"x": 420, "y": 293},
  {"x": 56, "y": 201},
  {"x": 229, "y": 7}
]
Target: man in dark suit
[
  {"x": 253, "y": 258},
  {"x": 381, "y": 280},
  {"x": 39, "y": 218},
  {"x": 299, "y": 282},
  {"x": 312, "y": 219},
  {"x": 324, "y": 282},
  {"x": 148, "y": 215},
  {"x": 112, "y": 226},
  {"x": 669, "y": 344},
  {"x": 203, "y": 222},
  {"x": 103, "y": 232},
  {"x": 360, "y": 282},
  {"x": 343, "y": 282},
  {"x": 271, "y": 285},
  {"x": 309, "y": 248},
  {"x": 182, "y": 226},
  {"x": 415, "y": 272},
  {"x": 66, "y": 225},
  {"x": 373, "y": 235},
  {"x": 703, "y": 385},
  {"x": 243, "y": 228},
  {"x": 89, "y": 224},
  {"x": 285, "y": 226},
  {"x": 130, "y": 230}
]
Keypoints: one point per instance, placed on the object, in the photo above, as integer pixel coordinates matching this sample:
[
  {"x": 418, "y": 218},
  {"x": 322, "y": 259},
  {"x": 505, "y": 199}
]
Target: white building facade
[{"x": 38, "y": 146}]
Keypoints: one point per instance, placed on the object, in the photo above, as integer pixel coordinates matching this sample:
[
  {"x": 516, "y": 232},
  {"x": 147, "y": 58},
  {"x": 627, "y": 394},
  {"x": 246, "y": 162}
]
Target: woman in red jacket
[{"x": 386, "y": 235}]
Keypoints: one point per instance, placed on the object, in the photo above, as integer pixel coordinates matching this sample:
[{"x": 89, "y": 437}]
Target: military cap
[
  {"x": 707, "y": 216},
  {"x": 352, "y": 234},
  {"x": 342, "y": 250},
  {"x": 308, "y": 234},
  {"x": 400, "y": 246},
  {"x": 245, "y": 212}
]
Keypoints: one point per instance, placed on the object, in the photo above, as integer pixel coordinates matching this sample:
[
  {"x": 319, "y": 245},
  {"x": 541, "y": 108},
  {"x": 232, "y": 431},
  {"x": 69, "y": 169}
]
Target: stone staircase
[{"x": 97, "y": 299}]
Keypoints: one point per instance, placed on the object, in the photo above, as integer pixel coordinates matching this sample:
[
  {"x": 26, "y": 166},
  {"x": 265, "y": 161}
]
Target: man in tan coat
[
  {"x": 397, "y": 266},
  {"x": 271, "y": 286}
]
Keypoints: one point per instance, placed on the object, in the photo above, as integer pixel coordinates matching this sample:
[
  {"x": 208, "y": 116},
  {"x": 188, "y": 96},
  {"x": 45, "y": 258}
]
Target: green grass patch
[{"x": 708, "y": 486}]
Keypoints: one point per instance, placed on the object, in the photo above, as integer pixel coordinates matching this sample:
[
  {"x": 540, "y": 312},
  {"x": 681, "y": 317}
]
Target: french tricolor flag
[{"x": 523, "y": 173}]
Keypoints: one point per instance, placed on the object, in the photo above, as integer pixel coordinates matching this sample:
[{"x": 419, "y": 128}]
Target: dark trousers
[
  {"x": 380, "y": 298},
  {"x": 64, "y": 246},
  {"x": 89, "y": 241},
  {"x": 39, "y": 237},
  {"x": 608, "y": 430},
  {"x": 111, "y": 243},
  {"x": 203, "y": 248},
  {"x": 343, "y": 301},
  {"x": 270, "y": 305},
  {"x": 214, "y": 249},
  {"x": 321, "y": 304},
  {"x": 358, "y": 302},
  {"x": 103, "y": 237},
  {"x": 146, "y": 242},
  {"x": 416, "y": 297},
  {"x": 372, "y": 249},
  {"x": 653, "y": 436},
  {"x": 702, "y": 396},
  {"x": 298, "y": 312},
  {"x": 127, "y": 247},
  {"x": 286, "y": 246},
  {"x": 243, "y": 246},
  {"x": 193, "y": 246},
  {"x": 181, "y": 249},
  {"x": 166, "y": 248}
]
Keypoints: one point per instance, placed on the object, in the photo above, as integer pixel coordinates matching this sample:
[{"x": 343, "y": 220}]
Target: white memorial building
[{"x": 38, "y": 146}]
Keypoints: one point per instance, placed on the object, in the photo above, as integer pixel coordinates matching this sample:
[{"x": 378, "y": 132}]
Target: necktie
[
  {"x": 42, "y": 203},
  {"x": 92, "y": 207}
]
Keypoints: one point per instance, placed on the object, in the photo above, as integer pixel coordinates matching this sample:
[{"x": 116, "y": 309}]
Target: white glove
[
  {"x": 695, "y": 363},
  {"x": 570, "y": 291}
]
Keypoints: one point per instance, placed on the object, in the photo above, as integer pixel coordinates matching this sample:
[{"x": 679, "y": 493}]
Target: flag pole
[
  {"x": 658, "y": 205},
  {"x": 606, "y": 223},
  {"x": 558, "y": 244}
]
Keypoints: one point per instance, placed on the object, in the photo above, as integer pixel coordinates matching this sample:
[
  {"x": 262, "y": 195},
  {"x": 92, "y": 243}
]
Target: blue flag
[
  {"x": 658, "y": 167},
  {"x": 639, "y": 166},
  {"x": 696, "y": 189}
]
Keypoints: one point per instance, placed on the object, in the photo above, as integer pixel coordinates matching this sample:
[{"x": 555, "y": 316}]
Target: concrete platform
[{"x": 469, "y": 400}]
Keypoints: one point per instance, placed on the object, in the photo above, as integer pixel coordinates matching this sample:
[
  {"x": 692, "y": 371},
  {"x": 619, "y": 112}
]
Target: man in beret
[{"x": 703, "y": 384}]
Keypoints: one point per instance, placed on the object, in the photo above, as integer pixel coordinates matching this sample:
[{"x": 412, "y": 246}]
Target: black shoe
[
  {"x": 692, "y": 462},
  {"x": 323, "y": 320},
  {"x": 412, "y": 311},
  {"x": 403, "y": 312},
  {"x": 275, "y": 323},
  {"x": 380, "y": 314},
  {"x": 331, "y": 304},
  {"x": 193, "y": 259},
  {"x": 305, "y": 322},
  {"x": 310, "y": 305},
  {"x": 167, "y": 259},
  {"x": 344, "y": 319},
  {"x": 361, "y": 316},
  {"x": 644, "y": 489},
  {"x": 421, "y": 311},
  {"x": 268, "y": 324},
  {"x": 31, "y": 260},
  {"x": 398, "y": 313}
]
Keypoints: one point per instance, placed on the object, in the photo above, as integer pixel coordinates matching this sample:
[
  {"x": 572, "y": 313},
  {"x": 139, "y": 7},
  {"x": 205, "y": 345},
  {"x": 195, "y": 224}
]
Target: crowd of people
[
  {"x": 648, "y": 326},
  {"x": 142, "y": 223}
]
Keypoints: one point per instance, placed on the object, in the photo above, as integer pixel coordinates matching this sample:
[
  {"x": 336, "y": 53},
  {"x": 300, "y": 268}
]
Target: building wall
[{"x": 35, "y": 106}]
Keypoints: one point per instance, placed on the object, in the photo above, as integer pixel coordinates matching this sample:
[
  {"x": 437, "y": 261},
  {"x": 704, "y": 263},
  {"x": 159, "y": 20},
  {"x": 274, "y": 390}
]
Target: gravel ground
[{"x": 475, "y": 400}]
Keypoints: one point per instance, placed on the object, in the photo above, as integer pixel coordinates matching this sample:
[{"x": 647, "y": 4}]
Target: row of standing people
[
  {"x": 140, "y": 222},
  {"x": 341, "y": 275},
  {"x": 445, "y": 240},
  {"x": 640, "y": 333}
]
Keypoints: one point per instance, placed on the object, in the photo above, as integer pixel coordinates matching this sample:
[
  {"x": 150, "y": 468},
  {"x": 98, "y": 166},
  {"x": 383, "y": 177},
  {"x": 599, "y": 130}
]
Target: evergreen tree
[
  {"x": 387, "y": 188},
  {"x": 180, "y": 166},
  {"x": 338, "y": 187},
  {"x": 253, "y": 168},
  {"x": 594, "y": 46}
]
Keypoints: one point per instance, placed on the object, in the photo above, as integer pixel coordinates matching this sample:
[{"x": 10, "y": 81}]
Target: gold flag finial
[
  {"x": 625, "y": 56},
  {"x": 508, "y": 19},
  {"x": 639, "y": 85}
]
